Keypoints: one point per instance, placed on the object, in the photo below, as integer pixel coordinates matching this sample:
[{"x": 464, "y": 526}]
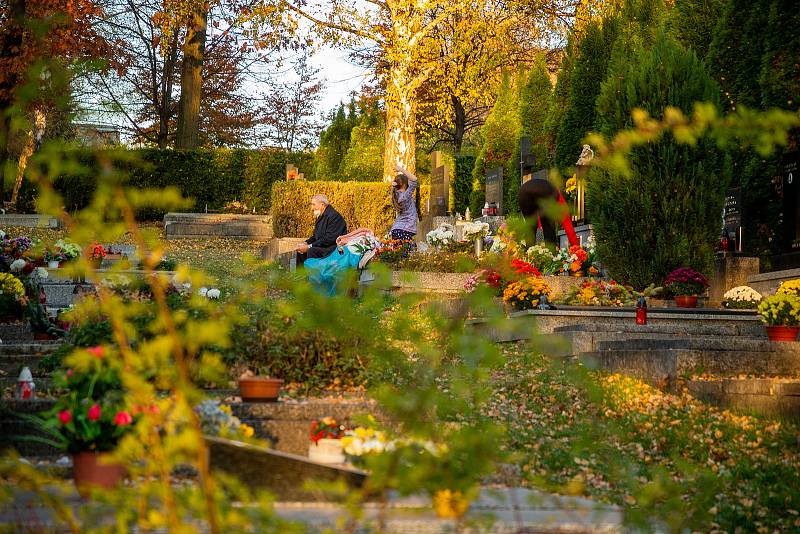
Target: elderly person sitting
[
  {"x": 329, "y": 226},
  {"x": 355, "y": 250}
]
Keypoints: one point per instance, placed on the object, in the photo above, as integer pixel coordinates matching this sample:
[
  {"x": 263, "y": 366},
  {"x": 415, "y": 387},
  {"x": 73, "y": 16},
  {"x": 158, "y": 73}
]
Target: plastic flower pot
[
  {"x": 782, "y": 333},
  {"x": 686, "y": 301},
  {"x": 90, "y": 472},
  {"x": 53, "y": 264},
  {"x": 259, "y": 389},
  {"x": 326, "y": 451}
]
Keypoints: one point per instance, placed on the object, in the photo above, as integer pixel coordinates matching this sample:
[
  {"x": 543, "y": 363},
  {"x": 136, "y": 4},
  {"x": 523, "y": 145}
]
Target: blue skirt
[{"x": 325, "y": 274}]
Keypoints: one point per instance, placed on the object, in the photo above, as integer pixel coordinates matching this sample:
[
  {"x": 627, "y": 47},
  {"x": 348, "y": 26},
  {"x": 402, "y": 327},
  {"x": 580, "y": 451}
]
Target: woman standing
[{"x": 405, "y": 199}]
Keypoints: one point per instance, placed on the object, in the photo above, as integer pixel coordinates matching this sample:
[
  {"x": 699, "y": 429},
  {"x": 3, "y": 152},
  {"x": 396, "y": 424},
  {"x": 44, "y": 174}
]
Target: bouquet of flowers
[
  {"x": 216, "y": 419},
  {"x": 685, "y": 282},
  {"x": 474, "y": 230},
  {"x": 69, "y": 249},
  {"x": 326, "y": 428},
  {"x": 487, "y": 277},
  {"x": 522, "y": 268},
  {"x": 780, "y": 309},
  {"x": 394, "y": 250},
  {"x": 572, "y": 260},
  {"x": 540, "y": 257},
  {"x": 525, "y": 294},
  {"x": 571, "y": 187},
  {"x": 600, "y": 293},
  {"x": 442, "y": 236},
  {"x": 741, "y": 298},
  {"x": 362, "y": 442},
  {"x": 96, "y": 252}
]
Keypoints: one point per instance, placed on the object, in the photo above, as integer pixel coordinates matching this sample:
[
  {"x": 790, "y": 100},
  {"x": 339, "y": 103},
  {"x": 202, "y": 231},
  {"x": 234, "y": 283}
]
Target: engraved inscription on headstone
[
  {"x": 439, "y": 192},
  {"x": 791, "y": 202},
  {"x": 494, "y": 189}
]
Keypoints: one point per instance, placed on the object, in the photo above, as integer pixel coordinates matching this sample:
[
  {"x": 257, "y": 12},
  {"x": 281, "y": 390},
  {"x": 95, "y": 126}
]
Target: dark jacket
[{"x": 328, "y": 227}]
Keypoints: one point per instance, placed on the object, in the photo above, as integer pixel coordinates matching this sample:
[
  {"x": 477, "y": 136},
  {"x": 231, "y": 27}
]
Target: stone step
[
  {"x": 714, "y": 343},
  {"x": 765, "y": 396},
  {"x": 664, "y": 366},
  {"x": 19, "y": 332}
]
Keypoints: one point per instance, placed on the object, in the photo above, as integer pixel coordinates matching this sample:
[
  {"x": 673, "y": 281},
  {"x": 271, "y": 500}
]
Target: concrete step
[
  {"x": 711, "y": 343},
  {"x": 665, "y": 366},
  {"x": 13, "y": 357},
  {"x": 19, "y": 332},
  {"x": 765, "y": 396}
]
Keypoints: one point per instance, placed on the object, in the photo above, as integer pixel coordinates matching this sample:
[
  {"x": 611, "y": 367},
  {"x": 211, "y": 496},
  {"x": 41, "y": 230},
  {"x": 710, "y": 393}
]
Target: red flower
[
  {"x": 65, "y": 416},
  {"x": 97, "y": 351},
  {"x": 123, "y": 419},
  {"x": 28, "y": 269},
  {"x": 94, "y": 413}
]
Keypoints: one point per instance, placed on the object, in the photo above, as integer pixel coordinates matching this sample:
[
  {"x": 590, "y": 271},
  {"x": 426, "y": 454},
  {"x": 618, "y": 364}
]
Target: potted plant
[
  {"x": 96, "y": 253},
  {"x": 781, "y": 315},
  {"x": 741, "y": 298},
  {"x": 254, "y": 388},
  {"x": 12, "y": 298},
  {"x": 326, "y": 441},
  {"x": 91, "y": 417},
  {"x": 53, "y": 257},
  {"x": 685, "y": 285}
]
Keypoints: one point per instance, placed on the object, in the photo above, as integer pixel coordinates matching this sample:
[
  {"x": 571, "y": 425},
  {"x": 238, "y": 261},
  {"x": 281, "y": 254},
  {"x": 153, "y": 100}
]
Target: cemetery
[{"x": 541, "y": 274}]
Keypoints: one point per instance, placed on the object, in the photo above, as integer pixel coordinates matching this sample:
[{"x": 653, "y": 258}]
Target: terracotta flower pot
[
  {"x": 259, "y": 389},
  {"x": 88, "y": 472},
  {"x": 686, "y": 301},
  {"x": 782, "y": 333}
]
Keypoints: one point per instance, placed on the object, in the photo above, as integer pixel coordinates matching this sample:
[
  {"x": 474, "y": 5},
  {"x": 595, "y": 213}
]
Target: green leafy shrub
[
  {"x": 461, "y": 185},
  {"x": 674, "y": 192},
  {"x": 361, "y": 204},
  {"x": 275, "y": 342},
  {"x": 211, "y": 178}
]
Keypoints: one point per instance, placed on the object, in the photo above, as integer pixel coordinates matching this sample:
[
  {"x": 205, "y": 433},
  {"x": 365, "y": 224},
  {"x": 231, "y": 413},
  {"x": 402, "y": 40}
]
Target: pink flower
[
  {"x": 94, "y": 413},
  {"x": 123, "y": 419},
  {"x": 70, "y": 372},
  {"x": 65, "y": 416},
  {"x": 97, "y": 351}
]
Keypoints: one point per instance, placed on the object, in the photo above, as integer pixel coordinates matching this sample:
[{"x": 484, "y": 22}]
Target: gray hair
[{"x": 320, "y": 198}]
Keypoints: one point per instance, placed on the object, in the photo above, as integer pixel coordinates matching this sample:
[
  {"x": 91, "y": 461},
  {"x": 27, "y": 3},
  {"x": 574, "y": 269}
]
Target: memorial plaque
[
  {"x": 439, "y": 192},
  {"x": 791, "y": 202},
  {"x": 494, "y": 189},
  {"x": 732, "y": 218}
]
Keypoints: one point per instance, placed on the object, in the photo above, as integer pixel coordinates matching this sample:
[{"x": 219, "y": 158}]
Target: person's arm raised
[{"x": 411, "y": 177}]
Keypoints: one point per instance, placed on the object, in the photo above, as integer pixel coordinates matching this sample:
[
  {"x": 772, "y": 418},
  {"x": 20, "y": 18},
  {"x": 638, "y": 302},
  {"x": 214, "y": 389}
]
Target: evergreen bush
[
  {"x": 666, "y": 212},
  {"x": 209, "y": 177}
]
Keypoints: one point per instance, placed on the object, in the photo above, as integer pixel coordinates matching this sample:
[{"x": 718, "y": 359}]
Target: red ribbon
[{"x": 566, "y": 223}]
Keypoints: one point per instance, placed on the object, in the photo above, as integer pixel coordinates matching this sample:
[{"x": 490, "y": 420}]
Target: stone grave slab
[
  {"x": 189, "y": 225},
  {"x": 28, "y": 220},
  {"x": 494, "y": 189},
  {"x": 278, "y": 246},
  {"x": 281, "y": 473}
]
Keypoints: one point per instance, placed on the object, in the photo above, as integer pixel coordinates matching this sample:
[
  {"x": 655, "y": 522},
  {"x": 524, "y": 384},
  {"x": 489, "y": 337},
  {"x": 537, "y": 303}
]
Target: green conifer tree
[
  {"x": 363, "y": 161},
  {"x": 666, "y": 212}
]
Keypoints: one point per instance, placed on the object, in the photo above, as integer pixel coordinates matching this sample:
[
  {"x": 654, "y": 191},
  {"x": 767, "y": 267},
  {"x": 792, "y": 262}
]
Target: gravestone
[
  {"x": 527, "y": 160},
  {"x": 281, "y": 473},
  {"x": 440, "y": 194},
  {"x": 732, "y": 218},
  {"x": 791, "y": 202},
  {"x": 494, "y": 189}
]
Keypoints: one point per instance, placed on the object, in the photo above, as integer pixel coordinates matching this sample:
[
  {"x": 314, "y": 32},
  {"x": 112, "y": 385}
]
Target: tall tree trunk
[
  {"x": 191, "y": 78},
  {"x": 167, "y": 80},
  {"x": 11, "y": 46},
  {"x": 401, "y": 109},
  {"x": 459, "y": 124},
  {"x": 34, "y": 135}
]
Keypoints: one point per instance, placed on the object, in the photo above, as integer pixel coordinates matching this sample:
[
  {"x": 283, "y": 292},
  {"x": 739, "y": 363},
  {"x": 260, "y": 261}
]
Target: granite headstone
[{"x": 494, "y": 189}]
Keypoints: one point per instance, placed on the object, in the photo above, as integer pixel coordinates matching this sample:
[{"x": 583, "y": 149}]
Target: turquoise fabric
[{"x": 325, "y": 274}]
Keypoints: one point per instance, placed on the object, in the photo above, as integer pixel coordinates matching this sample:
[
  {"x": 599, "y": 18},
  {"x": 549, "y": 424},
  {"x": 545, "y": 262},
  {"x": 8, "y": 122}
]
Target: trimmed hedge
[
  {"x": 362, "y": 204},
  {"x": 209, "y": 177}
]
